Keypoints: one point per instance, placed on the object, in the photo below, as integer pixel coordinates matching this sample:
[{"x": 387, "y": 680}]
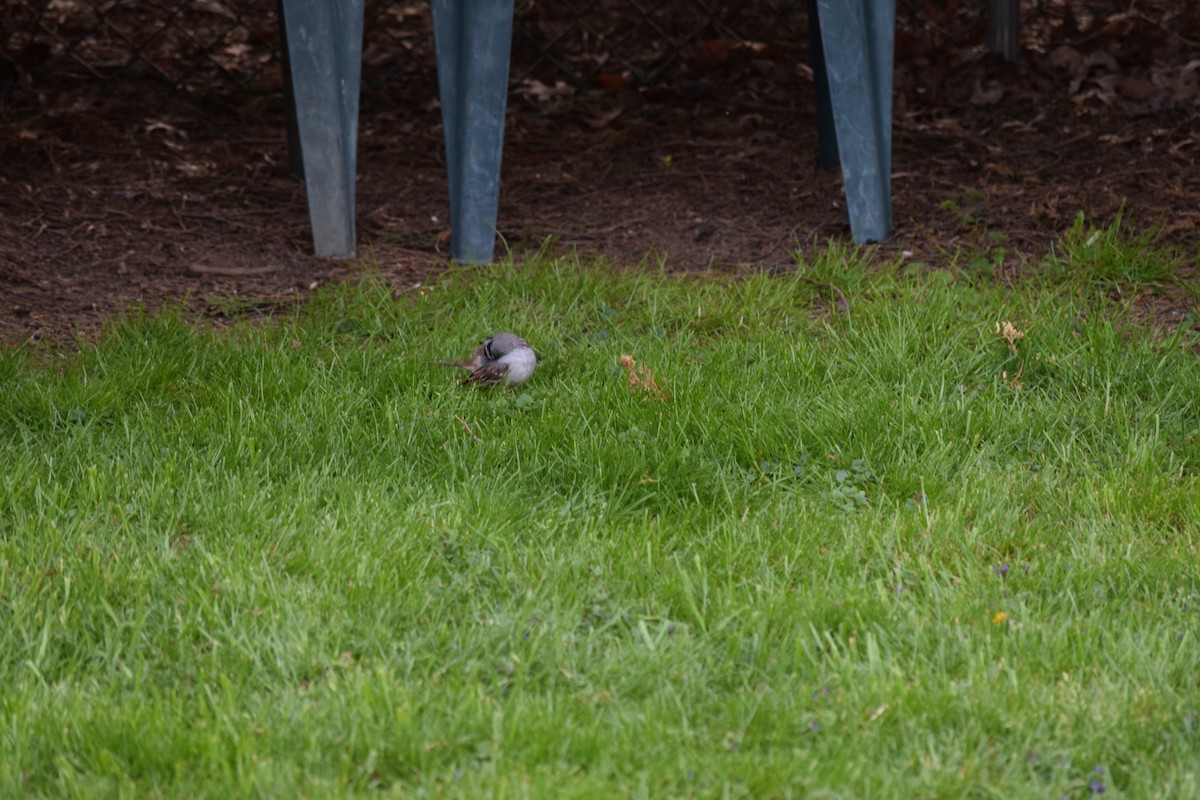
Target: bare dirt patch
[{"x": 122, "y": 193}]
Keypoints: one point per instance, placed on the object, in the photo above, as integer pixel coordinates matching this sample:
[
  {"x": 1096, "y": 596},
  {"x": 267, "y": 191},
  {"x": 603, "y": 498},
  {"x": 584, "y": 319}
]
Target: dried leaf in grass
[
  {"x": 1015, "y": 383},
  {"x": 1010, "y": 334},
  {"x": 641, "y": 379}
]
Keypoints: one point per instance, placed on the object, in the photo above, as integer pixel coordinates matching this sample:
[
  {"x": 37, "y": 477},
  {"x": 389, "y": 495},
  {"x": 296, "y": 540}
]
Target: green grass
[{"x": 870, "y": 551}]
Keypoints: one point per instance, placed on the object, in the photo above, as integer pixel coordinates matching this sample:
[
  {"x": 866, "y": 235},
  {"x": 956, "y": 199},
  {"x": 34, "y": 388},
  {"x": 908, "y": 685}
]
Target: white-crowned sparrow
[{"x": 502, "y": 358}]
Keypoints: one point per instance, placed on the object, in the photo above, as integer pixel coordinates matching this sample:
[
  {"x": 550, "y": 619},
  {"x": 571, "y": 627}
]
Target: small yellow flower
[{"x": 999, "y": 618}]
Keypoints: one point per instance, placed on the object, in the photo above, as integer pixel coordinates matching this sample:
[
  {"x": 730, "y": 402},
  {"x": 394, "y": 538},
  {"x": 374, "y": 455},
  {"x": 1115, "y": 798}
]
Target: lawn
[{"x": 864, "y": 540}]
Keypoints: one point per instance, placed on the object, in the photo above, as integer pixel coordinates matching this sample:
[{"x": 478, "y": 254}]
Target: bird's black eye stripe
[{"x": 487, "y": 349}]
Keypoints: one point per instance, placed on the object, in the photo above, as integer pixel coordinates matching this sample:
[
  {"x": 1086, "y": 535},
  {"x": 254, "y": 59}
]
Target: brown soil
[{"x": 127, "y": 193}]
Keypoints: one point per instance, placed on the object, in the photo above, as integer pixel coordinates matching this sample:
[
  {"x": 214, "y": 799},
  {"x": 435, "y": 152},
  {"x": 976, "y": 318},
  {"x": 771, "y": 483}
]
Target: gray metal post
[
  {"x": 1004, "y": 27},
  {"x": 827, "y": 148},
  {"x": 295, "y": 159},
  {"x": 324, "y": 39},
  {"x": 859, "y": 44},
  {"x": 473, "y": 39}
]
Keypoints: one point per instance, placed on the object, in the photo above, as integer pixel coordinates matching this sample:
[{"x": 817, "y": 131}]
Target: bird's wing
[{"x": 488, "y": 374}]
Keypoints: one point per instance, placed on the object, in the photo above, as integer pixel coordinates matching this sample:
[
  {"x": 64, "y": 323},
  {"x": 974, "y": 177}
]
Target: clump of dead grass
[{"x": 642, "y": 380}]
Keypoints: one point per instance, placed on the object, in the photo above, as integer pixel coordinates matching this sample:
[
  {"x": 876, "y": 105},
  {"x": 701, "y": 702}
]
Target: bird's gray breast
[{"x": 520, "y": 364}]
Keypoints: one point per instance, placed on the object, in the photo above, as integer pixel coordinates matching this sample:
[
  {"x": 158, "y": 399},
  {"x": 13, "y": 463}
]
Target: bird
[{"x": 502, "y": 358}]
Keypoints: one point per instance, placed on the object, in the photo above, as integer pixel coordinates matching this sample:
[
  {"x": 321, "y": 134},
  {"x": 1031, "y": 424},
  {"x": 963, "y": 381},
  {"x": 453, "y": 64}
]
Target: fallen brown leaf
[{"x": 642, "y": 379}]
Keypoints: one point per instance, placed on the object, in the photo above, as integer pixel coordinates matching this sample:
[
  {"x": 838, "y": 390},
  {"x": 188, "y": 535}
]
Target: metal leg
[
  {"x": 827, "y": 148},
  {"x": 473, "y": 40},
  {"x": 1004, "y": 27},
  {"x": 859, "y": 42},
  {"x": 324, "y": 42},
  {"x": 295, "y": 159}
]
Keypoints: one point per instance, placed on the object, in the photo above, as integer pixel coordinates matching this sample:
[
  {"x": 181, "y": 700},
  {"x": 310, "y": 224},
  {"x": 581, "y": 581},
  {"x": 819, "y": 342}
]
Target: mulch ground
[{"x": 128, "y": 193}]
